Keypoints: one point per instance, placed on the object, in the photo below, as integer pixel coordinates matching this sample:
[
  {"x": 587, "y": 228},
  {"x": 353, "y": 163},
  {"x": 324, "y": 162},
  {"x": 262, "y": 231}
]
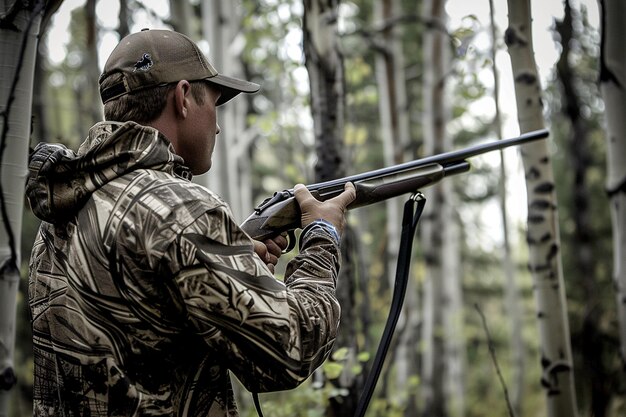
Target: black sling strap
[{"x": 409, "y": 226}]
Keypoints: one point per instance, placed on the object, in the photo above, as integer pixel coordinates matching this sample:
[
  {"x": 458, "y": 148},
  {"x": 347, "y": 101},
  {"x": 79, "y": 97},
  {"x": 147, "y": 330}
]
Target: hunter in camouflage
[{"x": 144, "y": 291}]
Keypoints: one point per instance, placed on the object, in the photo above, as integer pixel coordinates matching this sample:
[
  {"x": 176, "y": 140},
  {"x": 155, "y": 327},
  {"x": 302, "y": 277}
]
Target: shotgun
[{"x": 281, "y": 213}]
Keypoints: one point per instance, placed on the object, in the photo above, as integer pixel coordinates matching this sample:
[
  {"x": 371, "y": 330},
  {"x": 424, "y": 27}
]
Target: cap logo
[{"x": 144, "y": 64}]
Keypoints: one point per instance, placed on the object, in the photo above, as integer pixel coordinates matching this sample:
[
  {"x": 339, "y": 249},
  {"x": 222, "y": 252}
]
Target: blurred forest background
[{"x": 445, "y": 359}]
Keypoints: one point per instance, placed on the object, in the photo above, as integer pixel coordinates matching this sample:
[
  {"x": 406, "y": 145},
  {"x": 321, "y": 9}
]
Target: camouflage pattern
[{"x": 145, "y": 293}]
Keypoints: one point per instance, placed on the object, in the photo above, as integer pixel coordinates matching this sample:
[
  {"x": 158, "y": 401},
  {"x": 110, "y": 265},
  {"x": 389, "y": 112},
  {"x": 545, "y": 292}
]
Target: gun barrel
[{"x": 447, "y": 158}]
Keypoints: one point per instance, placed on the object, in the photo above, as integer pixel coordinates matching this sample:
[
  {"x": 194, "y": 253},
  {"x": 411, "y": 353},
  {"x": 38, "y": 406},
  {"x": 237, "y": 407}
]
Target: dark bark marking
[
  {"x": 541, "y": 205},
  {"x": 532, "y": 174},
  {"x": 543, "y": 239},
  {"x": 526, "y": 78},
  {"x": 540, "y": 268},
  {"x": 553, "y": 252},
  {"x": 511, "y": 38},
  {"x": 544, "y": 188}
]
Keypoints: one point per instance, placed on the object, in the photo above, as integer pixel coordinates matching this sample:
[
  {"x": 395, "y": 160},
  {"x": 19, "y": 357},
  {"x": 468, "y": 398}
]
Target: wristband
[{"x": 323, "y": 224}]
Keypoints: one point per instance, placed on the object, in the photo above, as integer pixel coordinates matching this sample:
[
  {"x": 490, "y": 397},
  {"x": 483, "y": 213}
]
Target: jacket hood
[{"x": 60, "y": 180}]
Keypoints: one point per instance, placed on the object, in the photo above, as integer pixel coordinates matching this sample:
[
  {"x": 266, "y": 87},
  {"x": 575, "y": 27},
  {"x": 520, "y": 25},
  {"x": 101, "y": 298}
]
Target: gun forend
[{"x": 281, "y": 212}]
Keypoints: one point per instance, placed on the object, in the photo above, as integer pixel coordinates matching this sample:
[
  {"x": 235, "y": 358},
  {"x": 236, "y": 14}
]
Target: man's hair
[{"x": 146, "y": 105}]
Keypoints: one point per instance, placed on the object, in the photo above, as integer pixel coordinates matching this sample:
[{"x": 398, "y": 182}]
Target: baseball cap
[{"x": 152, "y": 58}]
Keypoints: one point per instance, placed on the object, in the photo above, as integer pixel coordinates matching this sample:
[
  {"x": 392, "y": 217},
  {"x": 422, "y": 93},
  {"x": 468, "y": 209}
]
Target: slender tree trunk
[
  {"x": 511, "y": 290},
  {"x": 324, "y": 62},
  {"x": 392, "y": 110},
  {"x": 123, "y": 28},
  {"x": 221, "y": 26},
  {"x": 433, "y": 226},
  {"x": 453, "y": 322},
  {"x": 613, "y": 89},
  {"x": 394, "y": 121},
  {"x": 181, "y": 17},
  {"x": 18, "y": 38},
  {"x": 92, "y": 69},
  {"x": 543, "y": 231},
  {"x": 592, "y": 368},
  {"x": 40, "y": 98}
]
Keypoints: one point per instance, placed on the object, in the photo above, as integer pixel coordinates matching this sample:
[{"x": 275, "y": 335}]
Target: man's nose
[{"x": 218, "y": 130}]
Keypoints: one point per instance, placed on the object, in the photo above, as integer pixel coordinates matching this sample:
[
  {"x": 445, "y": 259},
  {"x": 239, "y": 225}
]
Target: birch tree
[
  {"x": 19, "y": 30},
  {"x": 394, "y": 128},
  {"x": 511, "y": 291},
  {"x": 434, "y": 225},
  {"x": 324, "y": 63},
  {"x": 229, "y": 175},
  {"x": 543, "y": 231},
  {"x": 613, "y": 90},
  {"x": 394, "y": 123},
  {"x": 181, "y": 17}
]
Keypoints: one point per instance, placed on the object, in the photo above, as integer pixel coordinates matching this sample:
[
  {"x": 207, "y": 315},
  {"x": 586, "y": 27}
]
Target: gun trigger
[
  {"x": 291, "y": 241},
  {"x": 278, "y": 196}
]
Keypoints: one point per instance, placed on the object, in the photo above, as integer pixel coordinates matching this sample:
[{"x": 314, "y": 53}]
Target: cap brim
[{"x": 230, "y": 87}]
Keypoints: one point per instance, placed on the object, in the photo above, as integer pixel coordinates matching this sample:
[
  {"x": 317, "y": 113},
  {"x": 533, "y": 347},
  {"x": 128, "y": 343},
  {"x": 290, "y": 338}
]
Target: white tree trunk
[
  {"x": 511, "y": 290},
  {"x": 181, "y": 17},
  {"x": 394, "y": 121},
  {"x": 613, "y": 89},
  {"x": 221, "y": 24},
  {"x": 433, "y": 225},
  {"x": 92, "y": 68},
  {"x": 543, "y": 230},
  {"x": 453, "y": 314},
  {"x": 17, "y": 62},
  {"x": 389, "y": 129}
]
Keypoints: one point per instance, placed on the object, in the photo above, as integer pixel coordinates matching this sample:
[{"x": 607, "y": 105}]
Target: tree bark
[
  {"x": 18, "y": 37},
  {"x": 543, "y": 231},
  {"x": 324, "y": 63}
]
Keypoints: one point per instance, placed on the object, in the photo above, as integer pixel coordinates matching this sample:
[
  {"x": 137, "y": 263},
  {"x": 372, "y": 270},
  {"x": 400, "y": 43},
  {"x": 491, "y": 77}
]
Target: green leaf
[
  {"x": 363, "y": 357},
  {"x": 332, "y": 370},
  {"x": 340, "y": 354}
]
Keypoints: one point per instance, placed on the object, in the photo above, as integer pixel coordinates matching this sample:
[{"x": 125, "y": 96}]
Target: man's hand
[
  {"x": 332, "y": 210},
  {"x": 270, "y": 250}
]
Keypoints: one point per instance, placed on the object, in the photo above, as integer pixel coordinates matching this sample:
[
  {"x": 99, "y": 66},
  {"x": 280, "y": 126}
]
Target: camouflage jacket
[{"x": 144, "y": 292}]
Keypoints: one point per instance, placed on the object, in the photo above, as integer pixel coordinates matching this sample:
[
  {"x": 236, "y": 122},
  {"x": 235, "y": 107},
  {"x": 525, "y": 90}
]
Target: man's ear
[{"x": 182, "y": 94}]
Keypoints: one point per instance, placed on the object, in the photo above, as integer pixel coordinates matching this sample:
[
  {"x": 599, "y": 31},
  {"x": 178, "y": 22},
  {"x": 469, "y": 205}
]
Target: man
[{"x": 144, "y": 291}]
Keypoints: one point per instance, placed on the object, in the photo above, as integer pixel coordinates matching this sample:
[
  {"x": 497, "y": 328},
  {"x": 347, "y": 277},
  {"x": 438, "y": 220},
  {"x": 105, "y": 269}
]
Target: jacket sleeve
[{"x": 272, "y": 334}]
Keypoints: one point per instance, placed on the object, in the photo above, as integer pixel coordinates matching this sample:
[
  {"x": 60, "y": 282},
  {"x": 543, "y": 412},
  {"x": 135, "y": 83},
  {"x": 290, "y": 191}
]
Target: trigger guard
[{"x": 291, "y": 241}]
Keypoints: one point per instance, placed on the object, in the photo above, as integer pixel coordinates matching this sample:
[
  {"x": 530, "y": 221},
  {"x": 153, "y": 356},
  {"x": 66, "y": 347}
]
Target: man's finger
[
  {"x": 261, "y": 250},
  {"x": 276, "y": 245},
  {"x": 302, "y": 193},
  {"x": 345, "y": 198}
]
